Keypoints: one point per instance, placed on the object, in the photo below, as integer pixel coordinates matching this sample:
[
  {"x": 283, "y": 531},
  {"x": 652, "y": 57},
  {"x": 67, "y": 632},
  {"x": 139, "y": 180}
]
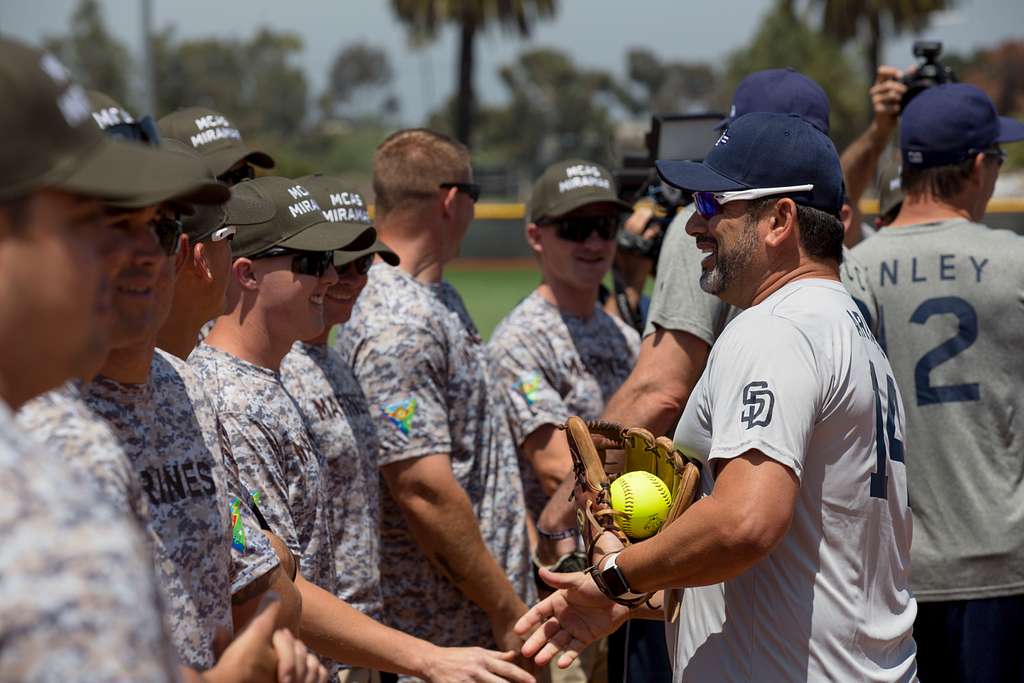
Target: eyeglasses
[
  {"x": 710, "y": 203},
  {"x": 313, "y": 263},
  {"x": 225, "y": 233},
  {"x": 579, "y": 229},
  {"x": 233, "y": 176},
  {"x": 472, "y": 189},
  {"x": 143, "y": 130},
  {"x": 361, "y": 265},
  {"x": 168, "y": 231}
]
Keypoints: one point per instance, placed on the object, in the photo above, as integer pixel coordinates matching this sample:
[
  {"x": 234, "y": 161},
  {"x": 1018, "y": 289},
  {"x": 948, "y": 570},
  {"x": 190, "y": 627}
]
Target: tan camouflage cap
[
  {"x": 52, "y": 141},
  {"x": 569, "y": 185},
  {"x": 214, "y": 136}
]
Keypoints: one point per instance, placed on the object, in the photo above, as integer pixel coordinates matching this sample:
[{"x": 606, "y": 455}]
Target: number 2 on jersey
[
  {"x": 885, "y": 430},
  {"x": 967, "y": 334}
]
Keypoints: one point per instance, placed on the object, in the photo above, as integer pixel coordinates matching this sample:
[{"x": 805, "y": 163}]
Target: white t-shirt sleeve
[{"x": 764, "y": 391}]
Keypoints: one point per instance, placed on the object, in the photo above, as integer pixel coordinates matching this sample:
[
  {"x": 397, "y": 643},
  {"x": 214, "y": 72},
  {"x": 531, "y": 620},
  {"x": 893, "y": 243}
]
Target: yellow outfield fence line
[{"x": 513, "y": 211}]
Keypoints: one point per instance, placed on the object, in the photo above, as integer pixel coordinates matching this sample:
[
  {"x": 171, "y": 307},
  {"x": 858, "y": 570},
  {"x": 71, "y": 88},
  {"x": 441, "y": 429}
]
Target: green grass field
[{"x": 491, "y": 293}]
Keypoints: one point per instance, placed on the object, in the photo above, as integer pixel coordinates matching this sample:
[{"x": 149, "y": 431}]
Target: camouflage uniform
[
  {"x": 168, "y": 430},
  {"x": 554, "y": 365},
  {"x": 78, "y": 595},
  {"x": 426, "y": 376},
  {"x": 338, "y": 417},
  {"x": 62, "y": 420},
  {"x": 277, "y": 462}
]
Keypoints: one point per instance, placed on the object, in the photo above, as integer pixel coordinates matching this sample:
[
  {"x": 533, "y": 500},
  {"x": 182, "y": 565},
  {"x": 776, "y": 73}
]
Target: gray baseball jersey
[
  {"x": 678, "y": 302},
  {"x": 277, "y": 462},
  {"x": 427, "y": 377},
  {"x": 950, "y": 299},
  {"x": 78, "y": 594},
  {"x": 554, "y": 365},
  {"x": 335, "y": 409},
  {"x": 168, "y": 431},
  {"x": 800, "y": 378}
]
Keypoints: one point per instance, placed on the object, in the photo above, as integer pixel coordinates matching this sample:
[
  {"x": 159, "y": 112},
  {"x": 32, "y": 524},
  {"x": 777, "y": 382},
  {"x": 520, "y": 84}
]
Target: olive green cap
[
  {"x": 52, "y": 141},
  {"x": 569, "y": 185},
  {"x": 214, "y": 136},
  {"x": 295, "y": 221},
  {"x": 344, "y": 208},
  {"x": 342, "y": 257}
]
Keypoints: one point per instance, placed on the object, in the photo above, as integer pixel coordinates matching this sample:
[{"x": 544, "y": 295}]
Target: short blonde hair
[{"x": 410, "y": 165}]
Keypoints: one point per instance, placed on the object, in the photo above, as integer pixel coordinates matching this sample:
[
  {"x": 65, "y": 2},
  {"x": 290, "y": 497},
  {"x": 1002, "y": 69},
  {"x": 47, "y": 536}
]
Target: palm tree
[
  {"x": 845, "y": 19},
  {"x": 425, "y": 17}
]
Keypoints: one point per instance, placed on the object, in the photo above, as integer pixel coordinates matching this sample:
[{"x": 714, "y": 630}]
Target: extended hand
[
  {"x": 467, "y": 664},
  {"x": 570, "y": 619}
]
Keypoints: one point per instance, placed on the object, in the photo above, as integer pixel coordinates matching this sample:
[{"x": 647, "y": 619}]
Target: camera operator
[
  {"x": 892, "y": 91},
  {"x": 862, "y": 157}
]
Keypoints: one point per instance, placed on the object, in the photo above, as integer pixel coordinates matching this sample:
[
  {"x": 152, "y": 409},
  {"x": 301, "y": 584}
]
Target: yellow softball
[{"x": 644, "y": 499}]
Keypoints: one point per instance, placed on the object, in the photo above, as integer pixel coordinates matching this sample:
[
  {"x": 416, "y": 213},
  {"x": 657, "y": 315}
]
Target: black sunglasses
[
  {"x": 361, "y": 266},
  {"x": 472, "y": 189},
  {"x": 313, "y": 263},
  {"x": 234, "y": 176},
  {"x": 168, "y": 231},
  {"x": 579, "y": 229},
  {"x": 143, "y": 130}
]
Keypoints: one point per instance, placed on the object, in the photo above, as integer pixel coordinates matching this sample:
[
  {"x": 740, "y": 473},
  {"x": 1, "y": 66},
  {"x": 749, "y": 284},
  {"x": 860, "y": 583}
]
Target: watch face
[{"x": 614, "y": 579}]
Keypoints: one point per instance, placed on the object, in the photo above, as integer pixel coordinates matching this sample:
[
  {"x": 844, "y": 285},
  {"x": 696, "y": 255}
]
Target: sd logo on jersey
[{"x": 758, "y": 402}]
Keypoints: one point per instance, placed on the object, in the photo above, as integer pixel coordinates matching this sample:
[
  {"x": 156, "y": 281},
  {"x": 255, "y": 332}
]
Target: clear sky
[{"x": 595, "y": 32}]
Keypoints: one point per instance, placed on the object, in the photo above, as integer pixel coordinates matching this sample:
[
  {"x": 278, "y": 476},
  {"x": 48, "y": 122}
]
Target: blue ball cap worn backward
[
  {"x": 762, "y": 150},
  {"x": 783, "y": 91},
  {"x": 948, "y": 123}
]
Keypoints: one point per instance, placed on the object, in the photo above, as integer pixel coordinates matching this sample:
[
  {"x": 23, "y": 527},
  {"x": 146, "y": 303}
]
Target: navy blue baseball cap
[
  {"x": 949, "y": 123},
  {"x": 783, "y": 91},
  {"x": 763, "y": 150}
]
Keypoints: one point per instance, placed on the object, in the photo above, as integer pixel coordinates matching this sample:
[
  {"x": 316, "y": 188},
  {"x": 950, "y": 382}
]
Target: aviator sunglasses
[
  {"x": 710, "y": 203},
  {"x": 472, "y": 189},
  {"x": 313, "y": 263},
  {"x": 579, "y": 229}
]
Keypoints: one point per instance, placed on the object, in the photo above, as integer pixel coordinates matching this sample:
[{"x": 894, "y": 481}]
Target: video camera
[
  {"x": 928, "y": 73},
  {"x": 672, "y": 136}
]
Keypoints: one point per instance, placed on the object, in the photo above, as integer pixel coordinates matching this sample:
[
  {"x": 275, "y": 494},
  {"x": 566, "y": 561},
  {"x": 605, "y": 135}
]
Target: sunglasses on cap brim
[
  {"x": 710, "y": 204},
  {"x": 313, "y": 263}
]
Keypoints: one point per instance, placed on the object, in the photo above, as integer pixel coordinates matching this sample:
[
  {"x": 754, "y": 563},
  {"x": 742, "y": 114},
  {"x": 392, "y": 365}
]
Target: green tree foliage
[
  {"x": 424, "y": 18},
  {"x": 669, "y": 86},
  {"x": 784, "y": 39},
  {"x": 555, "y": 110},
  {"x": 97, "y": 59},
  {"x": 359, "y": 74},
  {"x": 254, "y": 81},
  {"x": 846, "y": 20}
]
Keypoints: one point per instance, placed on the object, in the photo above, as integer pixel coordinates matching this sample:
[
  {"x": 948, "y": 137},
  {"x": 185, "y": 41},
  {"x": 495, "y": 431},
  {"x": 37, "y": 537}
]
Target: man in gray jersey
[
  {"x": 456, "y": 566},
  {"x": 950, "y": 290},
  {"x": 283, "y": 268},
  {"x": 795, "y": 561},
  {"x": 684, "y": 321}
]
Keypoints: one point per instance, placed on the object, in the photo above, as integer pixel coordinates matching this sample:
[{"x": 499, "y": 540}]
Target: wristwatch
[{"x": 612, "y": 583}]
